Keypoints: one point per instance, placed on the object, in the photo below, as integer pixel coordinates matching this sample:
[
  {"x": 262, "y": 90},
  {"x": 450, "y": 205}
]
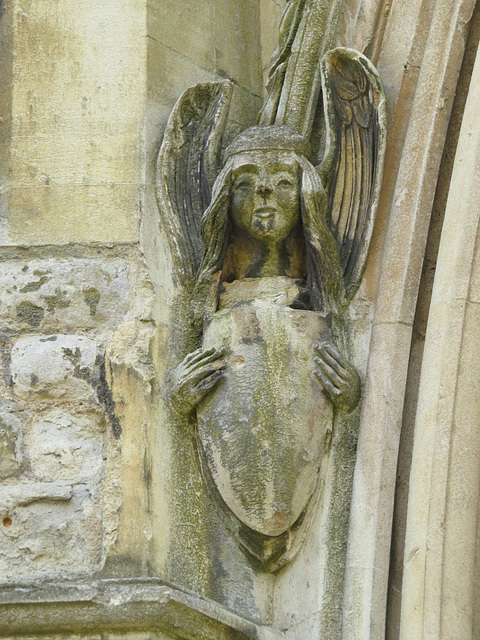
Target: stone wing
[
  {"x": 355, "y": 114},
  {"x": 187, "y": 165}
]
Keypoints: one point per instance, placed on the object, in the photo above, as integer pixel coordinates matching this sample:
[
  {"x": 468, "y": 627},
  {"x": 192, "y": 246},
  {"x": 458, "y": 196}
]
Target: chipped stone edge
[{"x": 144, "y": 604}]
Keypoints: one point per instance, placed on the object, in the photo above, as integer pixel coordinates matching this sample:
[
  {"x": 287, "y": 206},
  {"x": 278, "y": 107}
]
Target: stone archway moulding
[
  {"x": 441, "y": 546},
  {"x": 408, "y": 205}
]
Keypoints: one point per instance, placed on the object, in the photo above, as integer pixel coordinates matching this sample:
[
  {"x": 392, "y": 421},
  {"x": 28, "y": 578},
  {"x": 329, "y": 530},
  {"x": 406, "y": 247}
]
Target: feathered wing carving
[
  {"x": 188, "y": 164},
  {"x": 355, "y": 113}
]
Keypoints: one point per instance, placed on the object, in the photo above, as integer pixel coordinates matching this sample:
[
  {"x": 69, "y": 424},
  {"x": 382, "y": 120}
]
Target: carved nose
[{"x": 263, "y": 190}]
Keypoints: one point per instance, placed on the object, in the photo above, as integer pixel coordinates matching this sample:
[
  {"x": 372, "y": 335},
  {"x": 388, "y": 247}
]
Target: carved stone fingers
[
  {"x": 194, "y": 377},
  {"x": 211, "y": 380},
  {"x": 337, "y": 376}
]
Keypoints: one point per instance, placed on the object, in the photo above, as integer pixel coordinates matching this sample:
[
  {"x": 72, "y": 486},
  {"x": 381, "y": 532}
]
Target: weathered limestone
[
  {"x": 59, "y": 429},
  {"x": 179, "y": 507},
  {"x": 270, "y": 16},
  {"x": 374, "y": 485},
  {"x": 440, "y": 594},
  {"x": 11, "y": 437},
  {"x": 122, "y": 610},
  {"x": 266, "y": 473},
  {"x": 74, "y": 172},
  {"x": 72, "y": 110},
  {"x": 42, "y": 533},
  {"x": 53, "y": 367},
  {"x": 70, "y": 294},
  {"x": 76, "y": 108},
  {"x": 65, "y": 447},
  {"x": 98, "y": 475},
  {"x": 77, "y": 331},
  {"x": 420, "y": 326}
]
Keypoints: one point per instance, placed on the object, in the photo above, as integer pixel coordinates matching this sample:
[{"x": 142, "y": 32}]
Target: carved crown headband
[{"x": 268, "y": 138}]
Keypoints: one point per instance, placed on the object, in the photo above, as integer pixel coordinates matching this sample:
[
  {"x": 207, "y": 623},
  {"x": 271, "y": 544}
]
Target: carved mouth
[{"x": 264, "y": 213}]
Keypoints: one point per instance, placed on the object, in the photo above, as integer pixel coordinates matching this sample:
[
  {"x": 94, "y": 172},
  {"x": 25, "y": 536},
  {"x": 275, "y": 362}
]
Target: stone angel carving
[{"x": 269, "y": 249}]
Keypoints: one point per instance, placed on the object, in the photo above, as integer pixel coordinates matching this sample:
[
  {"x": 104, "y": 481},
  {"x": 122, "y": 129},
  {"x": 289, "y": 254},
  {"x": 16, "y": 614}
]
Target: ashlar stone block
[
  {"x": 74, "y": 151},
  {"x": 48, "y": 529},
  {"x": 64, "y": 446},
  {"x": 54, "y": 367},
  {"x": 64, "y": 295}
]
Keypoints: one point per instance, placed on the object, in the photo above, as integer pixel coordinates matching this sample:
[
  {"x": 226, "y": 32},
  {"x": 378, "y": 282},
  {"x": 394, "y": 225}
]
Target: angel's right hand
[{"x": 195, "y": 377}]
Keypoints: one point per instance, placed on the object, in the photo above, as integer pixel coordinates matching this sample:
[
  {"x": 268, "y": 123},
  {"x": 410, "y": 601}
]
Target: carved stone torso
[{"x": 262, "y": 430}]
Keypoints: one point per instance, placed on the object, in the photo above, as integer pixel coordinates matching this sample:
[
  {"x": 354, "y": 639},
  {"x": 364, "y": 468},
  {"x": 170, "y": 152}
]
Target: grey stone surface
[
  {"x": 54, "y": 367},
  {"x": 64, "y": 294},
  {"x": 121, "y": 605},
  {"x": 10, "y": 444},
  {"x": 63, "y": 446},
  {"x": 48, "y": 529},
  {"x": 263, "y": 430}
]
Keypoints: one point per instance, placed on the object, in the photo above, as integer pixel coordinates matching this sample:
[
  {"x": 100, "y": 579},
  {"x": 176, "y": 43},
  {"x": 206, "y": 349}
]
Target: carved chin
[{"x": 264, "y": 224}]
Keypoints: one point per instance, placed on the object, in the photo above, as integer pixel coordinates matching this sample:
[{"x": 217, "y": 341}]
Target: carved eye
[
  {"x": 284, "y": 183},
  {"x": 243, "y": 184}
]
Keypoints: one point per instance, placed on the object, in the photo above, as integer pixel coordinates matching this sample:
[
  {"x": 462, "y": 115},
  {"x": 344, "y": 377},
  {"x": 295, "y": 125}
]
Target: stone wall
[
  {"x": 107, "y": 530},
  {"x": 60, "y": 426},
  {"x": 70, "y": 183}
]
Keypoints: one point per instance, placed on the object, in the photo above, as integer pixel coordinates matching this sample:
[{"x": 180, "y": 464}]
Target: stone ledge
[{"x": 121, "y": 605}]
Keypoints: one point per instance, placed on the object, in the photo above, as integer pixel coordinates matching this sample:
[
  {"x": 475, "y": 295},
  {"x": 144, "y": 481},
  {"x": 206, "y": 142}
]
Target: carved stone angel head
[
  {"x": 271, "y": 212},
  {"x": 268, "y": 215}
]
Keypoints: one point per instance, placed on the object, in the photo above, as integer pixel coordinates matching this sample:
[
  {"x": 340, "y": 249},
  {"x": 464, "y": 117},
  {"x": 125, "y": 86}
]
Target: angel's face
[{"x": 265, "y": 200}]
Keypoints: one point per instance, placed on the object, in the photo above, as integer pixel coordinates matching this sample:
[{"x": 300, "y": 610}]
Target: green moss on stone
[
  {"x": 30, "y": 313},
  {"x": 92, "y": 298},
  {"x": 34, "y": 286},
  {"x": 57, "y": 301}
]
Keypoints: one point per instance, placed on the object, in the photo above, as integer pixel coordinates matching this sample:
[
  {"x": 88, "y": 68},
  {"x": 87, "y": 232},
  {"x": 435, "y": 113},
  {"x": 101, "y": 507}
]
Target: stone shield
[{"x": 262, "y": 430}]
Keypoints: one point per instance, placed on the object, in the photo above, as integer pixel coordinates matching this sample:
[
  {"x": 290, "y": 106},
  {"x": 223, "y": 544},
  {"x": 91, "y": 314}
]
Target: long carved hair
[{"x": 324, "y": 280}]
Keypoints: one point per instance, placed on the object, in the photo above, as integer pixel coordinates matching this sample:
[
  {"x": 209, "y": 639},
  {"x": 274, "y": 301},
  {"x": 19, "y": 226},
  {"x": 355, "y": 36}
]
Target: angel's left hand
[{"x": 338, "y": 377}]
